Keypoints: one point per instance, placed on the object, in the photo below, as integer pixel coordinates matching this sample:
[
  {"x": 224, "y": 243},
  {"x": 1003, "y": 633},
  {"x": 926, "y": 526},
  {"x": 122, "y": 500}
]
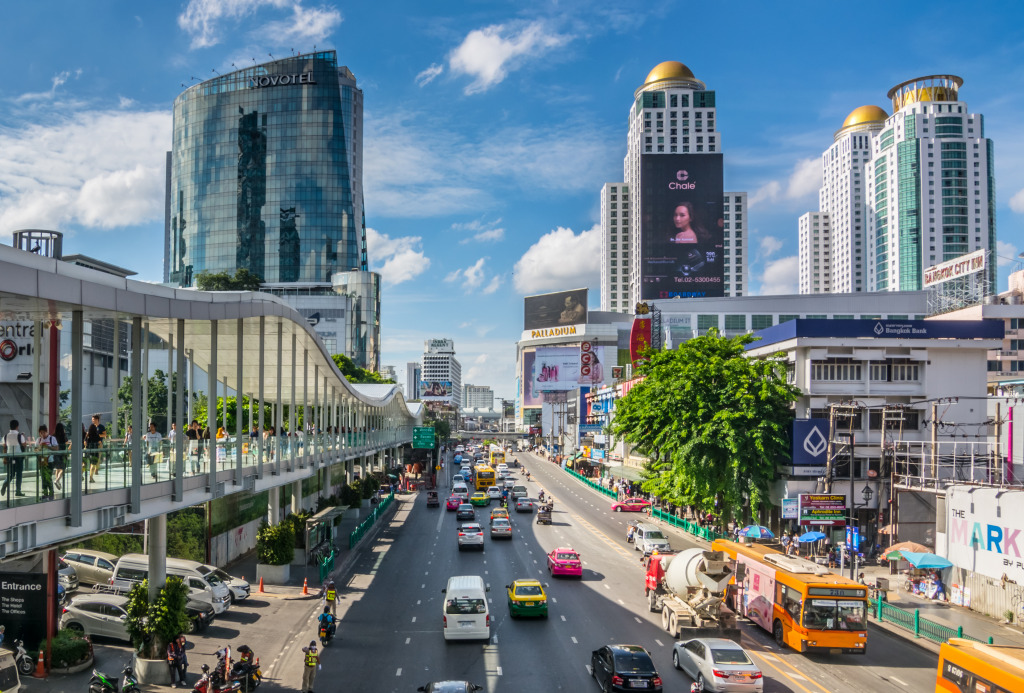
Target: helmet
[
  {"x": 654, "y": 553},
  {"x": 205, "y": 668},
  {"x": 244, "y": 648},
  {"x": 327, "y": 609}
]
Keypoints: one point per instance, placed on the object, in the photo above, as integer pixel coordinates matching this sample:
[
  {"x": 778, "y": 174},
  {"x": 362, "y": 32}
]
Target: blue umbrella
[
  {"x": 925, "y": 560},
  {"x": 757, "y": 532},
  {"x": 811, "y": 536}
]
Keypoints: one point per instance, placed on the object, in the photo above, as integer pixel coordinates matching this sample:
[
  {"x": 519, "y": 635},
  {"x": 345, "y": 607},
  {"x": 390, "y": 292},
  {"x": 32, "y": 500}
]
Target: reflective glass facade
[{"x": 266, "y": 174}]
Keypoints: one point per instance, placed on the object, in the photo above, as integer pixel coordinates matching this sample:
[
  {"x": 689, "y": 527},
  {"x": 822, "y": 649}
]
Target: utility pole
[{"x": 828, "y": 456}]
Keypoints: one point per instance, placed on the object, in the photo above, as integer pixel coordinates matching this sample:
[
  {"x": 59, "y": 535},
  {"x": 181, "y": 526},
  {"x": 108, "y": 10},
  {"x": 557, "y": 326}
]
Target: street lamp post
[{"x": 866, "y": 493}]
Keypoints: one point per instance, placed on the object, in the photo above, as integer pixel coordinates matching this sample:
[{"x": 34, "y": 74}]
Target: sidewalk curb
[
  {"x": 922, "y": 643},
  {"x": 353, "y": 553}
]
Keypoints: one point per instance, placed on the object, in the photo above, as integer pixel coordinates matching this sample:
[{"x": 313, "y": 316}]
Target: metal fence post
[
  {"x": 879, "y": 609},
  {"x": 960, "y": 631},
  {"x": 917, "y": 623}
]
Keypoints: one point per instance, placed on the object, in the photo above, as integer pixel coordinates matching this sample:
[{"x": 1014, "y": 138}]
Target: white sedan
[
  {"x": 717, "y": 664},
  {"x": 494, "y": 493}
]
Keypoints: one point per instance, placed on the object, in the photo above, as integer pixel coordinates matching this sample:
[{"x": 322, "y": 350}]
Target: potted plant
[
  {"x": 275, "y": 549},
  {"x": 151, "y": 625}
]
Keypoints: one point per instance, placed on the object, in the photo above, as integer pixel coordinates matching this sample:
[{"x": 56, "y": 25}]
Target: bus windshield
[{"x": 833, "y": 614}]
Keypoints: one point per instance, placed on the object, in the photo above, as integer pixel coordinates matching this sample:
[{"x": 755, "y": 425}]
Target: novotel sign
[{"x": 261, "y": 81}]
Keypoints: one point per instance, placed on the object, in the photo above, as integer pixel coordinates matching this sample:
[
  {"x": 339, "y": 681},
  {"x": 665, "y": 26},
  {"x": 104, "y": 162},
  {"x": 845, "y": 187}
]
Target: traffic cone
[
  {"x": 40, "y": 667},
  {"x": 305, "y": 585},
  {"x": 261, "y": 584}
]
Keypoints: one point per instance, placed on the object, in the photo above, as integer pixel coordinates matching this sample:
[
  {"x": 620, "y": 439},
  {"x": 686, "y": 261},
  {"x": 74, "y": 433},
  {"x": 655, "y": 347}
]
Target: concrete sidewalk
[{"x": 245, "y": 566}]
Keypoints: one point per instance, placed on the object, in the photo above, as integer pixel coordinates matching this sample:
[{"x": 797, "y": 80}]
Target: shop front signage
[{"x": 826, "y": 510}]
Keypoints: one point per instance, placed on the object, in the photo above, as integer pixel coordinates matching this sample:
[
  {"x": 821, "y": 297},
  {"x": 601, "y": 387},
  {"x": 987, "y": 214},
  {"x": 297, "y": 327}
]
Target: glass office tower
[{"x": 266, "y": 174}]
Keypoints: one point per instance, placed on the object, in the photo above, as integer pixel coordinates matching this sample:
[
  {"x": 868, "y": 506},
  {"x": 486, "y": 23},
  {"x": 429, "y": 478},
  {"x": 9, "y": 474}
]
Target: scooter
[
  {"x": 326, "y": 634},
  {"x": 25, "y": 664},
  {"x": 101, "y": 683},
  {"x": 248, "y": 674},
  {"x": 205, "y": 683}
]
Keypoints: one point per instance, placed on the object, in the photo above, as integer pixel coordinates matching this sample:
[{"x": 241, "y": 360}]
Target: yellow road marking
[
  {"x": 757, "y": 649},
  {"x": 794, "y": 681}
]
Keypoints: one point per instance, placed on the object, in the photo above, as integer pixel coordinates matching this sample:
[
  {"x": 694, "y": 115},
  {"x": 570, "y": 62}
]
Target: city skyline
[{"x": 489, "y": 132}]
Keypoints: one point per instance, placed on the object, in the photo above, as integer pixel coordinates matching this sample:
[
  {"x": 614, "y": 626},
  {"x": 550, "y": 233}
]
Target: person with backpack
[
  {"x": 45, "y": 443},
  {"x": 14, "y": 444}
]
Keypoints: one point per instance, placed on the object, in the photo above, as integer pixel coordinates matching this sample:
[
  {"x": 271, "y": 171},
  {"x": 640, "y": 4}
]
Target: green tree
[
  {"x": 243, "y": 280},
  {"x": 712, "y": 423},
  {"x": 355, "y": 374},
  {"x": 151, "y": 625},
  {"x": 157, "y": 399}
]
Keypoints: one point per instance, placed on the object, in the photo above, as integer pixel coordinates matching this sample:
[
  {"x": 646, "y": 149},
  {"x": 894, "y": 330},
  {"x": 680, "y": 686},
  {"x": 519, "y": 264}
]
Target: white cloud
[
  {"x": 485, "y": 231},
  {"x": 488, "y": 54},
  {"x": 780, "y": 277},
  {"x": 803, "y": 180},
  {"x": 397, "y": 259},
  {"x": 99, "y": 169},
  {"x": 57, "y": 81},
  {"x": 429, "y": 75},
  {"x": 768, "y": 246},
  {"x": 479, "y": 371},
  {"x": 202, "y": 17},
  {"x": 1006, "y": 253},
  {"x": 306, "y": 25},
  {"x": 485, "y": 236},
  {"x": 1017, "y": 202},
  {"x": 493, "y": 286},
  {"x": 560, "y": 259}
]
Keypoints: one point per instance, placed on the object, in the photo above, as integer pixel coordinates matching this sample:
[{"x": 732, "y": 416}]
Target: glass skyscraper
[{"x": 265, "y": 174}]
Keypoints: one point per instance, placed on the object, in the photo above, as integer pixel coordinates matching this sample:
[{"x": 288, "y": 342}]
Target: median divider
[{"x": 365, "y": 525}]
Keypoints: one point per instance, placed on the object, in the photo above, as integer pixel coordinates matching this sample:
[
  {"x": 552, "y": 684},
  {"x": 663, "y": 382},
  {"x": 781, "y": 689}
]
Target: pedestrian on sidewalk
[
  {"x": 60, "y": 460},
  {"x": 14, "y": 444},
  {"x": 311, "y": 662},
  {"x": 45, "y": 443},
  {"x": 94, "y": 438},
  {"x": 178, "y": 661}
]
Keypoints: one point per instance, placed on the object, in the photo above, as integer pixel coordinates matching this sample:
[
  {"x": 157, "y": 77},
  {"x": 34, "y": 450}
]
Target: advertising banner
[
  {"x": 955, "y": 268},
  {"x": 790, "y": 508},
  {"x": 16, "y": 352},
  {"x": 827, "y": 510},
  {"x": 555, "y": 310},
  {"x": 435, "y": 390},
  {"x": 810, "y": 447},
  {"x": 557, "y": 369},
  {"x": 681, "y": 226},
  {"x": 531, "y": 395},
  {"x": 985, "y": 531},
  {"x": 639, "y": 337}
]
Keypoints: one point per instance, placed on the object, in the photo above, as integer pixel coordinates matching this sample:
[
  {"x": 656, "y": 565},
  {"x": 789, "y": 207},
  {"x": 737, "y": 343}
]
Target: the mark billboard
[
  {"x": 555, "y": 310},
  {"x": 681, "y": 226}
]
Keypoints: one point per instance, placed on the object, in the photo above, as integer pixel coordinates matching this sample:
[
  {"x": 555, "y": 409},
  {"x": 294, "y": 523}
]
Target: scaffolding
[{"x": 954, "y": 294}]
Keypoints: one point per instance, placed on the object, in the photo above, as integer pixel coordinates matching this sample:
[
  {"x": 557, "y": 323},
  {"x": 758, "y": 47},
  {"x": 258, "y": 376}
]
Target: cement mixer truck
[{"x": 689, "y": 589}]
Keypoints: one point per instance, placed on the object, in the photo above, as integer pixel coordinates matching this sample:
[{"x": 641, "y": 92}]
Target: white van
[
  {"x": 461, "y": 490},
  {"x": 134, "y": 567},
  {"x": 465, "y": 612},
  {"x": 9, "y": 680}
]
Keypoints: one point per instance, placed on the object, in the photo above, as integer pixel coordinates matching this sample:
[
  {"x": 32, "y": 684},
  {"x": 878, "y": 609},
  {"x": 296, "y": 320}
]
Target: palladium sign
[{"x": 280, "y": 80}]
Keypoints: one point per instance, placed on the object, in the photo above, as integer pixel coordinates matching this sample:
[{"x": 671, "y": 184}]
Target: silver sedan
[{"x": 717, "y": 664}]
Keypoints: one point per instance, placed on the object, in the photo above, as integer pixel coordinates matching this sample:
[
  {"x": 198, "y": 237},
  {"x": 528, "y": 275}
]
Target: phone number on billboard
[{"x": 695, "y": 280}]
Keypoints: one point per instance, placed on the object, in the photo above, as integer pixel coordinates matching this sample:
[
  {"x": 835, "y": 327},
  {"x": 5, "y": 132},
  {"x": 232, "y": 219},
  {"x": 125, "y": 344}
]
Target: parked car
[
  {"x": 465, "y": 512},
  {"x": 67, "y": 577},
  {"x": 525, "y": 505},
  {"x": 92, "y": 567},
  {"x": 623, "y": 668},
  {"x": 565, "y": 561},
  {"x": 632, "y": 505},
  {"x": 527, "y": 598},
  {"x": 200, "y": 615},
  {"x": 97, "y": 614},
  {"x": 238, "y": 587},
  {"x": 471, "y": 535},
  {"x": 717, "y": 664},
  {"x": 501, "y": 527},
  {"x": 453, "y": 503}
]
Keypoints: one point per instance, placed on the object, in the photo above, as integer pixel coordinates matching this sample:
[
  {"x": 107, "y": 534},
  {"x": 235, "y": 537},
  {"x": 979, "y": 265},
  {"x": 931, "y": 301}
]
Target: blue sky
[{"x": 489, "y": 127}]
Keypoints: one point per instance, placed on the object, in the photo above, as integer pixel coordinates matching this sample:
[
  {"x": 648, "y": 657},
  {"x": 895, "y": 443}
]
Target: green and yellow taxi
[
  {"x": 480, "y": 498},
  {"x": 527, "y": 598}
]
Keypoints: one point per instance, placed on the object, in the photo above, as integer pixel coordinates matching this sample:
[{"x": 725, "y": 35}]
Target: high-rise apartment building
[
  {"x": 413, "y": 370},
  {"x": 478, "y": 397},
  {"x": 669, "y": 230},
  {"x": 441, "y": 377},
  {"x": 901, "y": 193},
  {"x": 265, "y": 175}
]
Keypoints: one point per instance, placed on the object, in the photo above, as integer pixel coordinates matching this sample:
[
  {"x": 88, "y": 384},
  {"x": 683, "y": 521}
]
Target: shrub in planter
[
  {"x": 68, "y": 648},
  {"x": 350, "y": 495},
  {"x": 151, "y": 625},
  {"x": 275, "y": 544}
]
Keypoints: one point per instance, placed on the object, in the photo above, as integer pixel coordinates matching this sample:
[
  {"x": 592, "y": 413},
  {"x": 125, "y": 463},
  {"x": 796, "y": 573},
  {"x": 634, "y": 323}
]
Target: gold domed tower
[
  {"x": 862, "y": 118},
  {"x": 670, "y": 74}
]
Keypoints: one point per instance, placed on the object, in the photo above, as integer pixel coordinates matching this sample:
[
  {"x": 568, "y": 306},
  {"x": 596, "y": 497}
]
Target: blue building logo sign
[{"x": 810, "y": 447}]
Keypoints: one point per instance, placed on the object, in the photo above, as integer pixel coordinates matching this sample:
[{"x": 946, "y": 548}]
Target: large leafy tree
[
  {"x": 242, "y": 280},
  {"x": 712, "y": 423},
  {"x": 355, "y": 374}
]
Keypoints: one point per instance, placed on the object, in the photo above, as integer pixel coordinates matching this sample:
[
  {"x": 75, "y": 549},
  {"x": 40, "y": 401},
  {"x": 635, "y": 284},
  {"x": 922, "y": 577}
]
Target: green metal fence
[
  {"x": 326, "y": 566},
  {"x": 688, "y": 526},
  {"x": 592, "y": 484},
  {"x": 911, "y": 621},
  {"x": 365, "y": 525}
]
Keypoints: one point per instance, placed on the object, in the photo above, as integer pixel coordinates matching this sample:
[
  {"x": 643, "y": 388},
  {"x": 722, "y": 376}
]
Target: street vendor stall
[{"x": 923, "y": 578}]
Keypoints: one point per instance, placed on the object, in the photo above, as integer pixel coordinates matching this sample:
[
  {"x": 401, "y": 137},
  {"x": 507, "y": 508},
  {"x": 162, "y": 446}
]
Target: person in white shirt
[
  {"x": 152, "y": 440},
  {"x": 45, "y": 442},
  {"x": 14, "y": 444}
]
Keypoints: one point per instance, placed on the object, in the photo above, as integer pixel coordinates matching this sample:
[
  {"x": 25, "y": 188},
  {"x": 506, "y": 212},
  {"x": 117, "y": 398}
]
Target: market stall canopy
[
  {"x": 925, "y": 560},
  {"x": 811, "y": 536},
  {"x": 757, "y": 532},
  {"x": 902, "y": 547}
]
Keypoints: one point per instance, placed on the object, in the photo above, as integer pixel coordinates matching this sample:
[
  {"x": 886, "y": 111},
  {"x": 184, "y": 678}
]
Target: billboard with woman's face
[
  {"x": 681, "y": 226},
  {"x": 555, "y": 310}
]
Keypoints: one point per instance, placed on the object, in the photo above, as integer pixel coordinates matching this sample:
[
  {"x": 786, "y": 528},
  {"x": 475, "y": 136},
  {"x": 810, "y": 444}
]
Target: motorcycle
[
  {"x": 101, "y": 683},
  {"x": 248, "y": 674},
  {"x": 206, "y": 683},
  {"x": 25, "y": 664},
  {"x": 326, "y": 634}
]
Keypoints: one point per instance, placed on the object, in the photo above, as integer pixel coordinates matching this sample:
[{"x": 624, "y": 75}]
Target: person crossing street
[{"x": 311, "y": 662}]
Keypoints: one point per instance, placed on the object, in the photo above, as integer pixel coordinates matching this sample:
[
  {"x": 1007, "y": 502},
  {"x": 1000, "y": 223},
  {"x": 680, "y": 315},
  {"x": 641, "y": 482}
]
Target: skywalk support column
[
  {"x": 211, "y": 411},
  {"x": 145, "y": 380},
  {"x": 292, "y": 416},
  {"x": 135, "y": 491},
  {"x": 178, "y": 484},
  {"x": 239, "y": 404},
  {"x": 305, "y": 406},
  {"x": 262, "y": 402},
  {"x": 157, "y": 536},
  {"x": 278, "y": 414},
  {"x": 75, "y": 472},
  {"x": 315, "y": 419}
]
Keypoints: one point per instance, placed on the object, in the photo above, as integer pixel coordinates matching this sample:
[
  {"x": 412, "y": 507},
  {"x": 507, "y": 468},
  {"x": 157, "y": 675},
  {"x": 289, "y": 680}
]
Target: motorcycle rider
[
  {"x": 541, "y": 496},
  {"x": 245, "y": 668},
  {"x": 220, "y": 674},
  {"x": 311, "y": 662},
  {"x": 328, "y": 619},
  {"x": 330, "y": 595}
]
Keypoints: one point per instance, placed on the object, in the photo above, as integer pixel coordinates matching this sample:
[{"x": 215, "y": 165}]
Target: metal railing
[
  {"x": 365, "y": 525},
  {"x": 688, "y": 526},
  {"x": 593, "y": 484},
  {"x": 326, "y": 566},
  {"x": 884, "y": 612}
]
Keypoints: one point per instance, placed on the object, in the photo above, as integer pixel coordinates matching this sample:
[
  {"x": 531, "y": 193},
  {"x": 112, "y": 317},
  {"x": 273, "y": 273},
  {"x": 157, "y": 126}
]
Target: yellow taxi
[
  {"x": 499, "y": 512},
  {"x": 480, "y": 498},
  {"x": 527, "y": 598}
]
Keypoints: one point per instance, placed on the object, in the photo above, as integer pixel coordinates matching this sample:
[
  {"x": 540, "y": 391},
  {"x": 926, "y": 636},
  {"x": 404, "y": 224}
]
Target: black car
[
  {"x": 624, "y": 668},
  {"x": 450, "y": 687},
  {"x": 200, "y": 614},
  {"x": 465, "y": 512}
]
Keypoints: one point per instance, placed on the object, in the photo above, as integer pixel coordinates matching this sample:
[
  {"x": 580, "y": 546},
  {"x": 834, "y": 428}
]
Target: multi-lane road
[{"x": 391, "y": 637}]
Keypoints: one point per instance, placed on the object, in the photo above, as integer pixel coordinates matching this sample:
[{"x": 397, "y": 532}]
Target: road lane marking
[
  {"x": 414, "y": 619},
  {"x": 637, "y": 619},
  {"x": 563, "y": 618},
  {"x": 408, "y": 640},
  {"x": 778, "y": 658},
  {"x": 498, "y": 669},
  {"x": 575, "y": 641},
  {"x": 768, "y": 662},
  {"x": 399, "y": 672},
  {"x": 660, "y": 643},
  {"x": 898, "y": 681}
]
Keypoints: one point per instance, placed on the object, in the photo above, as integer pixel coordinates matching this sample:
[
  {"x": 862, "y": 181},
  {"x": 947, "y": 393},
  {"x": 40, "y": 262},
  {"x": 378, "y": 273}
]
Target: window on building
[
  {"x": 735, "y": 322},
  {"x": 707, "y": 322},
  {"x": 786, "y": 318},
  {"x": 760, "y": 322},
  {"x": 836, "y": 369}
]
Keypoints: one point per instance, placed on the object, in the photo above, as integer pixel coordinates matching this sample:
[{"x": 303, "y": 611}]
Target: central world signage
[{"x": 280, "y": 80}]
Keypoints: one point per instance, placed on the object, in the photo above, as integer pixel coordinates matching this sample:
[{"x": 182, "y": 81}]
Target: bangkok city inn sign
[{"x": 261, "y": 81}]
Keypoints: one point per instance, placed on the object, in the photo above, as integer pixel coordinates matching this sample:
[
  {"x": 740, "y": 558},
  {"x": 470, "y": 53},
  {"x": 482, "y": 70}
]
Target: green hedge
[{"x": 275, "y": 544}]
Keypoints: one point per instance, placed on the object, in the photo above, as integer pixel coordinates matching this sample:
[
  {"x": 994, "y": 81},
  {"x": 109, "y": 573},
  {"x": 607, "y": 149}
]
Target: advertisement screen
[
  {"x": 531, "y": 396},
  {"x": 435, "y": 389},
  {"x": 681, "y": 226},
  {"x": 558, "y": 369},
  {"x": 555, "y": 310}
]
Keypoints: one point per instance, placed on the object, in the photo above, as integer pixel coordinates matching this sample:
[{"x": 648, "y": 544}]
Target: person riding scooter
[{"x": 328, "y": 620}]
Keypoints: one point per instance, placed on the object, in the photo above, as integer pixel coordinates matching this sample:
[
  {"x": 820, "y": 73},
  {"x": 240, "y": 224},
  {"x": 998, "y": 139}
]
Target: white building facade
[
  {"x": 478, "y": 397},
  {"x": 441, "y": 370}
]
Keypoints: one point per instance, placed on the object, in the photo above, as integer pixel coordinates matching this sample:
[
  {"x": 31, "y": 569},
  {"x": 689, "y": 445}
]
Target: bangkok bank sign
[
  {"x": 260, "y": 81},
  {"x": 985, "y": 531}
]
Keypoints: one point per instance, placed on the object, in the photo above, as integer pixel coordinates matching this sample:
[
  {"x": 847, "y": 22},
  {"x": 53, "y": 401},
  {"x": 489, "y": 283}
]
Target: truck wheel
[
  {"x": 665, "y": 615},
  {"x": 652, "y": 600},
  {"x": 673, "y": 624},
  {"x": 780, "y": 637}
]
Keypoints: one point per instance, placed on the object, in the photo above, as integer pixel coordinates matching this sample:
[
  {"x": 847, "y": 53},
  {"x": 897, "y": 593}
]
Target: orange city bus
[
  {"x": 966, "y": 666},
  {"x": 483, "y": 476},
  {"x": 798, "y": 601}
]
